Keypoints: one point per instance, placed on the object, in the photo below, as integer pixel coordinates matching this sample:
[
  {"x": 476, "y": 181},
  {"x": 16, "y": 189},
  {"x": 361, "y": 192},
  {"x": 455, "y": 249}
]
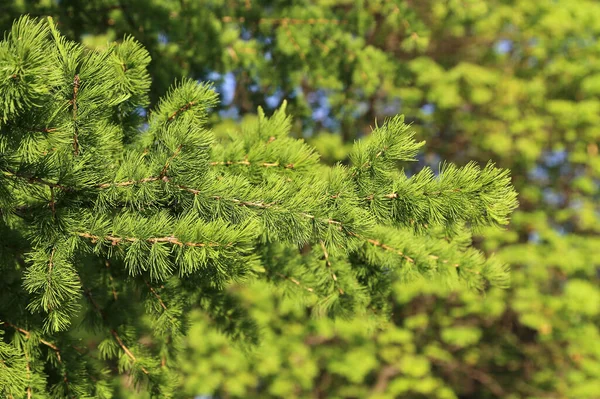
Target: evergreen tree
[{"x": 118, "y": 229}]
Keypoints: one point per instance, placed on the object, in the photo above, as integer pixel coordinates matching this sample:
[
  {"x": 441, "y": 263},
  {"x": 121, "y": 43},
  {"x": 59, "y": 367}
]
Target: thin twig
[
  {"x": 180, "y": 110},
  {"x": 35, "y": 180},
  {"x": 156, "y": 295},
  {"x": 50, "y": 345},
  {"x": 248, "y": 163},
  {"x": 163, "y": 172},
  {"x": 113, "y": 332},
  {"x": 328, "y": 264},
  {"x": 154, "y": 240},
  {"x": 298, "y": 283}
]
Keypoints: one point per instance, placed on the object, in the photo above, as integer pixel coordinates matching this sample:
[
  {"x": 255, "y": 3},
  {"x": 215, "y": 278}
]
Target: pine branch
[
  {"x": 248, "y": 163},
  {"x": 163, "y": 172},
  {"x": 298, "y": 283},
  {"x": 156, "y": 295},
  {"x": 181, "y": 110},
  {"x": 154, "y": 240},
  {"x": 76, "y": 83},
  {"x": 384, "y": 246},
  {"x": 330, "y": 268},
  {"x": 36, "y": 129},
  {"x": 27, "y": 334},
  {"x": 113, "y": 332},
  {"x": 50, "y": 345},
  {"x": 34, "y": 180}
]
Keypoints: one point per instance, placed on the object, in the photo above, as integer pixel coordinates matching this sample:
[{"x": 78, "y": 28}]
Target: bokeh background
[{"x": 515, "y": 81}]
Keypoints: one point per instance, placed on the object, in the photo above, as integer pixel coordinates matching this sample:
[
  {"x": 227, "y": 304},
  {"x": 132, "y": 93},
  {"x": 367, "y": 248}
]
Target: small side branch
[
  {"x": 163, "y": 172},
  {"x": 248, "y": 163},
  {"x": 156, "y": 295},
  {"x": 154, "y": 240},
  {"x": 180, "y": 110},
  {"x": 298, "y": 283},
  {"x": 27, "y": 334},
  {"x": 386, "y": 247},
  {"x": 113, "y": 332},
  {"x": 34, "y": 180},
  {"x": 330, "y": 268},
  {"x": 76, "y": 83},
  {"x": 50, "y": 345}
]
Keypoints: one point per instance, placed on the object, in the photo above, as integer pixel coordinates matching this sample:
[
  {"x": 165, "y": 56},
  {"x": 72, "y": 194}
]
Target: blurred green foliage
[{"x": 517, "y": 81}]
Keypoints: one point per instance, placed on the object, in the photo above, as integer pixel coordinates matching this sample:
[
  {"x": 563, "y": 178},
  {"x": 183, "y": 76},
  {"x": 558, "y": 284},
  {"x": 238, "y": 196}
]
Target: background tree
[{"x": 510, "y": 80}]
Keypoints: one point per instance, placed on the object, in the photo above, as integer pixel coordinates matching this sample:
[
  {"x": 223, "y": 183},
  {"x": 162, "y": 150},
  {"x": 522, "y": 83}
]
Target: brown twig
[
  {"x": 37, "y": 129},
  {"x": 156, "y": 295},
  {"x": 330, "y": 268},
  {"x": 298, "y": 283},
  {"x": 180, "y": 110},
  {"x": 163, "y": 172},
  {"x": 35, "y": 180},
  {"x": 28, "y": 375},
  {"x": 113, "y": 332},
  {"x": 154, "y": 240},
  {"x": 394, "y": 195},
  {"x": 409, "y": 259},
  {"x": 51, "y": 260},
  {"x": 248, "y": 163},
  {"x": 385, "y": 247},
  {"x": 50, "y": 345},
  {"x": 129, "y": 182}
]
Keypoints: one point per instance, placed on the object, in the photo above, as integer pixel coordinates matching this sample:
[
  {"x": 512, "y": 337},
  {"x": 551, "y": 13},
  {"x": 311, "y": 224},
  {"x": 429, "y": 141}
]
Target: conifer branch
[
  {"x": 298, "y": 283},
  {"x": 330, "y": 268},
  {"x": 132, "y": 182},
  {"x": 34, "y": 180},
  {"x": 28, "y": 366},
  {"x": 248, "y": 163},
  {"x": 180, "y": 110},
  {"x": 163, "y": 172},
  {"x": 36, "y": 129},
  {"x": 394, "y": 195},
  {"x": 251, "y": 204},
  {"x": 384, "y": 246},
  {"x": 276, "y": 215},
  {"x": 154, "y": 240},
  {"x": 76, "y": 83},
  {"x": 50, "y": 345},
  {"x": 156, "y": 295},
  {"x": 328, "y": 221},
  {"x": 113, "y": 332},
  {"x": 27, "y": 335}
]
